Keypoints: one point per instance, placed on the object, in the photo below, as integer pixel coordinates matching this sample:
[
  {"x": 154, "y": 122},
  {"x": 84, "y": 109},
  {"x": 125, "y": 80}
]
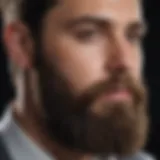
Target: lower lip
[{"x": 117, "y": 96}]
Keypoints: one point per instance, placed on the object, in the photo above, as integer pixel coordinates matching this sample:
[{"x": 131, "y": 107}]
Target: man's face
[{"x": 90, "y": 75}]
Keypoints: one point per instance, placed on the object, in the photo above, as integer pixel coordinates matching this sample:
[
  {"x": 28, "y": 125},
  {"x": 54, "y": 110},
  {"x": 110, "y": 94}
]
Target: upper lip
[{"x": 116, "y": 90}]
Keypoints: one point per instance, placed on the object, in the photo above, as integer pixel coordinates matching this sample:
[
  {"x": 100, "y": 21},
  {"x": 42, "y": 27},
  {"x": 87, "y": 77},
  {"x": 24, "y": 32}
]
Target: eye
[
  {"x": 87, "y": 34},
  {"x": 135, "y": 37}
]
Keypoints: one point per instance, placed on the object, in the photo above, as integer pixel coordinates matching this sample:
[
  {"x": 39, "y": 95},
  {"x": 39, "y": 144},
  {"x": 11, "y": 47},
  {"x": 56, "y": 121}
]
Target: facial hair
[{"x": 69, "y": 120}]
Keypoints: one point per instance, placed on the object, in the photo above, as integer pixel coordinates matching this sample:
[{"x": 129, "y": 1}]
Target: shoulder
[
  {"x": 146, "y": 156},
  {"x": 141, "y": 156},
  {"x": 4, "y": 130},
  {"x": 3, "y": 151}
]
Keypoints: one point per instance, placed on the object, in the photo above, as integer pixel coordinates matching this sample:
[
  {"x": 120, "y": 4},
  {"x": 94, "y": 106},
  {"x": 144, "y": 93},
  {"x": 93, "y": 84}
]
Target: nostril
[{"x": 116, "y": 66}]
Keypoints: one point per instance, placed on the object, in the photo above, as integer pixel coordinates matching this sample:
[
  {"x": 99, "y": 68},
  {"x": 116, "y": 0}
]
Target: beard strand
[{"x": 71, "y": 122}]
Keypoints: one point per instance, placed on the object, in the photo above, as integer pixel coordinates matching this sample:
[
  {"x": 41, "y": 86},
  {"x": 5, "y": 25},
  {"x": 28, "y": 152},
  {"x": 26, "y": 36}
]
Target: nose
[{"x": 119, "y": 55}]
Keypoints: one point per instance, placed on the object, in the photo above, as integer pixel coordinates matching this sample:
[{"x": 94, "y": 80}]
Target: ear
[{"x": 19, "y": 44}]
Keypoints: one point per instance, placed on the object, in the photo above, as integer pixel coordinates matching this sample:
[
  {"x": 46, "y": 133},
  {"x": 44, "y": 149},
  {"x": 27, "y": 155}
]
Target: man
[{"x": 77, "y": 70}]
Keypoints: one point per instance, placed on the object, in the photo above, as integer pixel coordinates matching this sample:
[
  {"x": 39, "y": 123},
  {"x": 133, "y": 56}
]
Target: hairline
[{"x": 12, "y": 11}]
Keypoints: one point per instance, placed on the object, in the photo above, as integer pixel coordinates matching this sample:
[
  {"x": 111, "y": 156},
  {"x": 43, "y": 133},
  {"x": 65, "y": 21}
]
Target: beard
[{"x": 120, "y": 128}]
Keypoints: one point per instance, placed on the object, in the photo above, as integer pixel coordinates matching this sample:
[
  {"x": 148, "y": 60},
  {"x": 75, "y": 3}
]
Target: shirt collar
[{"x": 18, "y": 144}]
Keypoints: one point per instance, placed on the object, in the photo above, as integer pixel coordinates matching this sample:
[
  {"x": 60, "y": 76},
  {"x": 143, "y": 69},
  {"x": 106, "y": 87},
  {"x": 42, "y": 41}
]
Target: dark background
[{"x": 152, "y": 73}]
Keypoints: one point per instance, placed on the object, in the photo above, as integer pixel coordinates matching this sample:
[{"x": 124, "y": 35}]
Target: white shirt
[{"x": 19, "y": 146}]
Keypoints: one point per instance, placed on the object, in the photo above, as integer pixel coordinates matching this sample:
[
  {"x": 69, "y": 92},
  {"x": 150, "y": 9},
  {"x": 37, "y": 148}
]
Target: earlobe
[{"x": 18, "y": 45}]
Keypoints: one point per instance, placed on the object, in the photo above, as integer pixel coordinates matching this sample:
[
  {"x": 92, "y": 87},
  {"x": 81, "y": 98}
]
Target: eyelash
[
  {"x": 90, "y": 34},
  {"x": 87, "y": 34},
  {"x": 135, "y": 37}
]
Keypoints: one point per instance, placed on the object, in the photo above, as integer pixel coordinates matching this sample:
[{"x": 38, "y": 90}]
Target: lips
[{"x": 117, "y": 95}]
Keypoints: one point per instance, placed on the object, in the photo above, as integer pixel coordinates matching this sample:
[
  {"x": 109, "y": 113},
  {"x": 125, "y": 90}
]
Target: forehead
[{"x": 117, "y": 10}]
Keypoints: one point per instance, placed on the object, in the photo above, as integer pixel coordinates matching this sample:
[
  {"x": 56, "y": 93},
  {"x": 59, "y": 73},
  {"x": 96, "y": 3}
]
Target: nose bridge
[{"x": 118, "y": 51}]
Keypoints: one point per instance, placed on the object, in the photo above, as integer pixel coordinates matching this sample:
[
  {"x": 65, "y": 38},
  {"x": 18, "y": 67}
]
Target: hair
[{"x": 30, "y": 12}]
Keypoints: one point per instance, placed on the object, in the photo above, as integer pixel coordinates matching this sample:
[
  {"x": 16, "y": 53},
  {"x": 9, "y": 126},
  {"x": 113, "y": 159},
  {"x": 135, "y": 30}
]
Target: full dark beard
[{"x": 70, "y": 121}]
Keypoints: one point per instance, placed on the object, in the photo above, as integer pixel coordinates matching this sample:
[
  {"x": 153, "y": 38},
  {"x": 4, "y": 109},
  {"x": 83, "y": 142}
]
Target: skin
[{"x": 85, "y": 42}]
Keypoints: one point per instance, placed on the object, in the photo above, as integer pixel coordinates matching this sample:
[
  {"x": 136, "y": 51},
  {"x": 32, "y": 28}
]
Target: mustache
[{"x": 115, "y": 82}]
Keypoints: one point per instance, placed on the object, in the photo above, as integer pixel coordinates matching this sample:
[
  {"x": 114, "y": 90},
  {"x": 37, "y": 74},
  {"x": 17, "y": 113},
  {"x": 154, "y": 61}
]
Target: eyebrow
[
  {"x": 139, "y": 25},
  {"x": 88, "y": 19},
  {"x": 104, "y": 21}
]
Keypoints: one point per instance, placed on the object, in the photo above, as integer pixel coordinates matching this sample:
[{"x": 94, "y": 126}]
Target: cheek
[
  {"x": 81, "y": 64},
  {"x": 137, "y": 64}
]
